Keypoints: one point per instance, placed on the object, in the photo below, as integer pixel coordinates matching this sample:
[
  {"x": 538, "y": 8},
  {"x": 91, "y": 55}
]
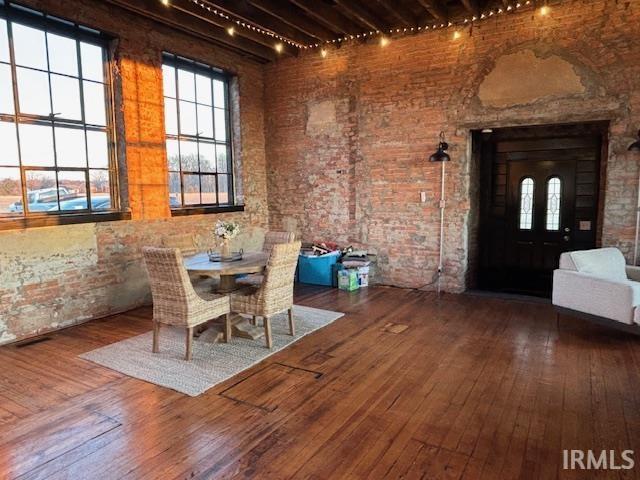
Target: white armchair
[{"x": 598, "y": 284}]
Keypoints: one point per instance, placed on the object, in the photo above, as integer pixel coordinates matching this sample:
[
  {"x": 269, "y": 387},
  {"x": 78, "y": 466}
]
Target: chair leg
[
  {"x": 292, "y": 327},
  {"x": 227, "y": 328},
  {"x": 267, "y": 331},
  {"x": 254, "y": 320},
  {"x": 156, "y": 337},
  {"x": 188, "y": 355}
]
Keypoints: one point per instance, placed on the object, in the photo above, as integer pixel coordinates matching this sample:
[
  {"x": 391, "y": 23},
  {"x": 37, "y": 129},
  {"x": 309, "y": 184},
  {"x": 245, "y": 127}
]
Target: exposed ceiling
[{"x": 304, "y": 22}]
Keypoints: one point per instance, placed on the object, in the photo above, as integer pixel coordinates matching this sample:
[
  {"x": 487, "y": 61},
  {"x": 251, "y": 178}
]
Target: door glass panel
[
  {"x": 554, "y": 191},
  {"x": 526, "y": 203}
]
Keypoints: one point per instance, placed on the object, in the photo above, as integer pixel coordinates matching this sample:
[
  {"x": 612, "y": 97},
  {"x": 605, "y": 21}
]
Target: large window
[
  {"x": 55, "y": 126},
  {"x": 199, "y": 153}
]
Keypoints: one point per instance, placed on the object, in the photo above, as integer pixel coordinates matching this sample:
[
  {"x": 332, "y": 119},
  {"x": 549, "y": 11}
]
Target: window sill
[
  {"x": 180, "y": 212},
  {"x": 60, "y": 219}
]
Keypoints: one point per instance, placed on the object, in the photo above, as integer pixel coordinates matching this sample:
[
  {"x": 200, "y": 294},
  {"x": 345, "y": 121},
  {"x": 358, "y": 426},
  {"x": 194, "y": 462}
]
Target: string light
[
  {"x": 239, "y": 22},
  {"x": 384, "y": 40}
]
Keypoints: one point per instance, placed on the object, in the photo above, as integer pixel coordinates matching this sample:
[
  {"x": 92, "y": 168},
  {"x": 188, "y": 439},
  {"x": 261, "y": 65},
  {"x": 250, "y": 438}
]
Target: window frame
[
  {"x": 176, "y": 62},
  {"x": 13, "y": 12}
]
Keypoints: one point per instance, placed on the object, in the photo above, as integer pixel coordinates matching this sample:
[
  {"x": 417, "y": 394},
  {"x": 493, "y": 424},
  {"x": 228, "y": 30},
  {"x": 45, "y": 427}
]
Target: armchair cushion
[
  {"x": 633, "y": 273},
  {"x": 603, "y": 297},
  {"x": 600, "y": 262}
]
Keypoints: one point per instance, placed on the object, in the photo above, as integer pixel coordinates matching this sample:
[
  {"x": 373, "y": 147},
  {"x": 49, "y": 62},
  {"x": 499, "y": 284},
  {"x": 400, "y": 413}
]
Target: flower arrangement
[{"x": 226, "y": 230}]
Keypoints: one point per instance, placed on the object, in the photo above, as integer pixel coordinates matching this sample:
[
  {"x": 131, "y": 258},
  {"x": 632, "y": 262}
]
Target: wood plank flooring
[{"x": 463, "y": 387}]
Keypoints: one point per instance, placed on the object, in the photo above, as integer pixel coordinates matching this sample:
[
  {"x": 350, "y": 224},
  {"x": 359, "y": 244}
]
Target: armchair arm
[
  {"x": 594, "y": 295},
  {"x": 633, "y": 273}
]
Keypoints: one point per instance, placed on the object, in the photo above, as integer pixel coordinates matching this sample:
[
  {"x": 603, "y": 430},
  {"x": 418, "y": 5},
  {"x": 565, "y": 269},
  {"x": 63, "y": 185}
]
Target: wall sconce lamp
[
  {"x": 443, "y": 157},
  {"x": 441, "y": 154}
]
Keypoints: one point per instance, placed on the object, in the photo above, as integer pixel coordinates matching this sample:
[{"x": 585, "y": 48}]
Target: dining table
[
  {"x": 228, "y": 271},
  {"x": 251, "y": 262}
]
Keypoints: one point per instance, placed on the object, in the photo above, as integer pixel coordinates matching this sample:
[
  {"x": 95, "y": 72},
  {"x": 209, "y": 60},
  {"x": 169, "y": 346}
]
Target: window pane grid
[
  {"x": 198, "y": 142},
  {"x": 55, "y": 142}
]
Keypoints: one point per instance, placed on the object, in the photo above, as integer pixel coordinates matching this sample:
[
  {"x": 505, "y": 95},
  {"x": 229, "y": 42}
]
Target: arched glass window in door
[
  {"x": 554, "y": 194},
  {"x": 526, "y": 203}
]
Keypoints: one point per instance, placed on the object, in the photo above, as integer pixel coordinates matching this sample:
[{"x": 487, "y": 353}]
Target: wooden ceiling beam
[
  {"x": 250, "y": 14},
  {"x": 399, "y": 12},
  {"x": 286, "y": 13},
  {"x": 329, "y": 17},
  {"x": 239, "y": 31},
  {"x": 366, "y": 18},
  {"x": 197, "y": 27},
  {"x": 471, "y": 6},
  {"x": 435, "y": 8}
]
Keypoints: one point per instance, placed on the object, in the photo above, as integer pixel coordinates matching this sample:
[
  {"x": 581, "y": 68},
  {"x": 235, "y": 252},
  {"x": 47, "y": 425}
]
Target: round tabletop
[{"x": 252, "y": 262}]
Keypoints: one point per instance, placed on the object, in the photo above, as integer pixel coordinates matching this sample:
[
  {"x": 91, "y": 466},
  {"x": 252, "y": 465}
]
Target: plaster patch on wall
[
  {"x": 39, "y": 254},
  {"x": 523, "y": 77},
  {"x": 321, "y": 118}
]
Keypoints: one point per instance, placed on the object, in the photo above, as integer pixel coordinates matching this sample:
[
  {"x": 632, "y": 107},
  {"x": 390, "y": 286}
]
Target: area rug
[{"x": 212, "y": 363}]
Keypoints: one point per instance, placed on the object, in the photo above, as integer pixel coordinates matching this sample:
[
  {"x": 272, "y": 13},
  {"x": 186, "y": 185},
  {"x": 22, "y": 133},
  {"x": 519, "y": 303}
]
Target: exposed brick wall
[
  {"x": 348, "y": 136},
  {"x": 56, "y": 276}
]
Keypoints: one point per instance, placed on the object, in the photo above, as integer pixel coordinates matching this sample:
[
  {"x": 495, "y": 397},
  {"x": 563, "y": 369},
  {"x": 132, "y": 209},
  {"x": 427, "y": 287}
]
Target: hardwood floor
[{"x": 472, "y": 388}]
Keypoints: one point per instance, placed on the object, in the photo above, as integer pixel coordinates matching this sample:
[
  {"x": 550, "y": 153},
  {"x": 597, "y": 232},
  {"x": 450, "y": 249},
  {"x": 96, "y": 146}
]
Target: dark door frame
[{"x": 482, "y": 183}]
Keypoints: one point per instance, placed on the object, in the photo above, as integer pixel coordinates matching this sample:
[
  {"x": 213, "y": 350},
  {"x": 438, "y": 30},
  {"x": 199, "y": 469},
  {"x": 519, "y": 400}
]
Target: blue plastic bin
[{"x": 317, "y": 270}]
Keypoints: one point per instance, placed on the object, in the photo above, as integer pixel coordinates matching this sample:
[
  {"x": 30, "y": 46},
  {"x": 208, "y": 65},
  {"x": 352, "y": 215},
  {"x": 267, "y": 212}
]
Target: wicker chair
[
  {"x": 175, "y": 302},
  {"x": 275, "y": 294},
  {"x": 270, "y": 239},
  {"x": 274, "y": 238}
]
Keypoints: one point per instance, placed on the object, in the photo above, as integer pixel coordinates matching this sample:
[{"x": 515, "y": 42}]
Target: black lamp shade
[{"x": 441, "y": 155}]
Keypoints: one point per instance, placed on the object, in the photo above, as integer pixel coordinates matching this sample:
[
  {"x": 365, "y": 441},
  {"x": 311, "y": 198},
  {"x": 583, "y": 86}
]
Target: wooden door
[
  {"x": 538, "y": 198},
  {"x": 540, "y": 216}
]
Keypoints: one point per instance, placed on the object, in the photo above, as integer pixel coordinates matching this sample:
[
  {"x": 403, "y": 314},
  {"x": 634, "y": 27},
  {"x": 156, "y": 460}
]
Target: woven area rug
[{"x": 212, "y": 362}]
